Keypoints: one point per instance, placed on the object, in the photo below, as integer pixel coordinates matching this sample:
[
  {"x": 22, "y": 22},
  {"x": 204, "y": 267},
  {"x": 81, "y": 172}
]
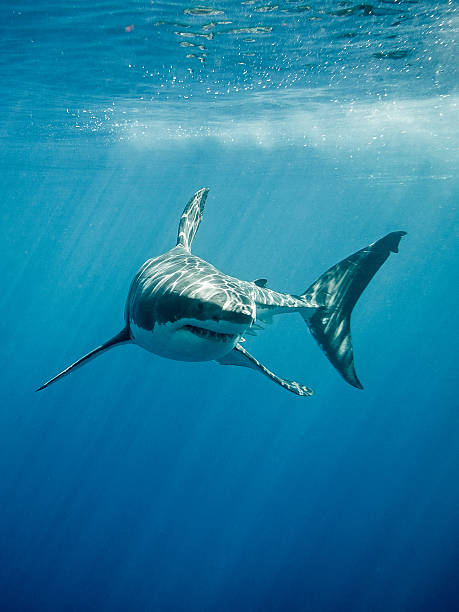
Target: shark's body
[{"x": 181, "y": 307}]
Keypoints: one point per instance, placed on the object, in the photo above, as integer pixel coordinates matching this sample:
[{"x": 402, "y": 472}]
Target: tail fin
[
  {"x": 120, "y": 338},
  {"x": 335, "y": 294}
]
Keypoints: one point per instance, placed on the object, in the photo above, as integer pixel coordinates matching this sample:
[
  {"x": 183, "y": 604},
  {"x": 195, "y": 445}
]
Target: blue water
[{"x": 144, "y": 484}]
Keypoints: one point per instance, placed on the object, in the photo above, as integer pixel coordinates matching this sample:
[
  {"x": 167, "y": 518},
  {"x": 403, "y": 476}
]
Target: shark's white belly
[{"x": 188, "y": 340}]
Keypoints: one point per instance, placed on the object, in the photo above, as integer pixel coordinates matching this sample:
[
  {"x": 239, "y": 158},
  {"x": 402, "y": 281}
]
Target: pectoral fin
[
  {"x": 120, "y": 338},
  {"x": 240, "y": 357}
]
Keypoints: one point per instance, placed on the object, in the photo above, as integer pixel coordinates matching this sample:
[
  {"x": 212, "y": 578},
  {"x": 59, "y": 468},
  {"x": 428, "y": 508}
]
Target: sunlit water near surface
[{"x": 140, "y": 483}]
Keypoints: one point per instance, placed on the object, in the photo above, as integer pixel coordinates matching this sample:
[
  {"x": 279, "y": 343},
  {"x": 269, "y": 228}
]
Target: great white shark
[{"x": 181, "y": 307}]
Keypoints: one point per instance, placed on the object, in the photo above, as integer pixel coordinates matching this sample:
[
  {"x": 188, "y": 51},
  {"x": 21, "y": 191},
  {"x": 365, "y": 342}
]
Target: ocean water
[{"x": 143, "y": 484}]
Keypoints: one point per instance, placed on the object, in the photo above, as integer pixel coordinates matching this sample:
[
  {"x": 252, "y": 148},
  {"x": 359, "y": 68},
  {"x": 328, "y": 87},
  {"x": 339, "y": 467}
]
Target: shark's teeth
[{"x": 209, "y": 334}]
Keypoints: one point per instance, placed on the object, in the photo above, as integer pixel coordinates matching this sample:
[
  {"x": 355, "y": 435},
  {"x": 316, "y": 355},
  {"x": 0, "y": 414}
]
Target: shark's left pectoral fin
[{"x": 240, "y": 357}]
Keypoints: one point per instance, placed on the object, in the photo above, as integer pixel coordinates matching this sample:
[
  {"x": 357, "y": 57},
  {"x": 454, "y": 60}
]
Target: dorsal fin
[
  {"x": 191, "y": 218},
  {"x": 261, "y": 282}
]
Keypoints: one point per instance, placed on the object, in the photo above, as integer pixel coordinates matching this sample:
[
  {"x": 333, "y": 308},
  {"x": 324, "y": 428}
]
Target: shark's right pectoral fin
[
  {"x": 120, "y": 338},
  {"x": 240, "y": 357}
]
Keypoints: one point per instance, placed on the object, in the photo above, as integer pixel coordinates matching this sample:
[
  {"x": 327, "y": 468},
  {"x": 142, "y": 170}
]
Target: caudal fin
[
  {"x": 120, "y": 338},
  {"x": 335, "y": 294}
]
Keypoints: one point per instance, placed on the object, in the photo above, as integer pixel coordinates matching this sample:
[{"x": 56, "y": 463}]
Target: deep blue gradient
[{"x": 144, "y": 484}]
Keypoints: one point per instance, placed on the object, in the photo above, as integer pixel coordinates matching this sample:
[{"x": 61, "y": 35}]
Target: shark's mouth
[{"x": 209, "y": 333}]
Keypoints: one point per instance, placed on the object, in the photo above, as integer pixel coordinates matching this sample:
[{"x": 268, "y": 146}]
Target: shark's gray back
[{"x": 178, "y": 281}]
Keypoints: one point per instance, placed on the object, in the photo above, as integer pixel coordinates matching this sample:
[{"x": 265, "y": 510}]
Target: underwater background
[{"x": 144, "y": 484}]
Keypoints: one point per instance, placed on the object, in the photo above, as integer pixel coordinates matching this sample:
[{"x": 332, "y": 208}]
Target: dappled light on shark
[{"x": 181, "y": 307}]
